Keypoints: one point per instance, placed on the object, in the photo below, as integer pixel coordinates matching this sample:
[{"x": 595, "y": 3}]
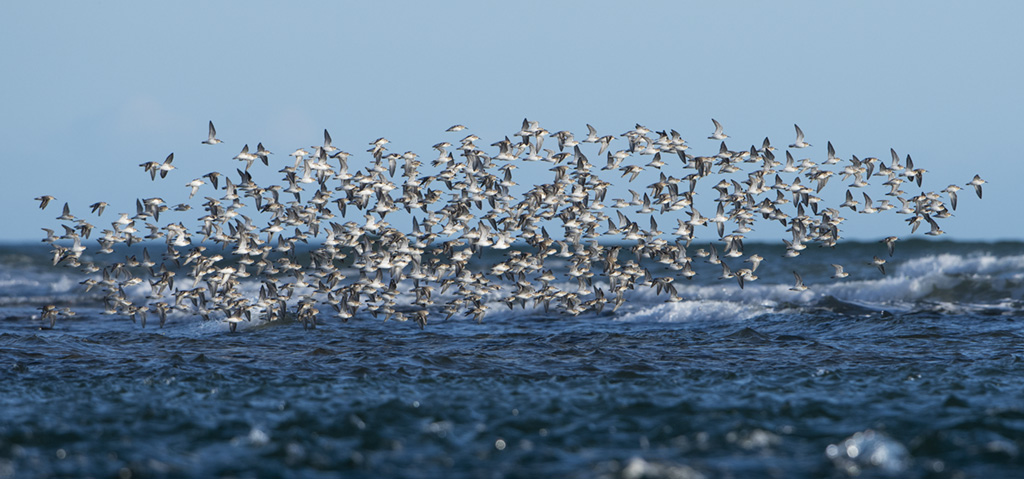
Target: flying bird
[
  {"x": 718, "y": 134},
  {"x": 211, "y": 139},
  {"x": 799, "y": 286},
  {"x": 44, "y": 200},
  {"x": 800, "y": 143},
  {"x": 976, "y": 183}
]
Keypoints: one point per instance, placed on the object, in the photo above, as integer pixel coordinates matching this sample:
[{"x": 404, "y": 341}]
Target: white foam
[
  {"x": 48, "y": 282},
  {"x": 1010, "y": 267},
  {"x": 694, "y": 311}
]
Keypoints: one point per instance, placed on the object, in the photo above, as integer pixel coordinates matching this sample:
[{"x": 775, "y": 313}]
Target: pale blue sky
[{"x": 92, "y": 89}]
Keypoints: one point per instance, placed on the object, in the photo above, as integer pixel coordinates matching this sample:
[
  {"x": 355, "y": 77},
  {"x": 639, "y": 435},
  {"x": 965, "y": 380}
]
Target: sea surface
[{"x": 917, "y": 373}]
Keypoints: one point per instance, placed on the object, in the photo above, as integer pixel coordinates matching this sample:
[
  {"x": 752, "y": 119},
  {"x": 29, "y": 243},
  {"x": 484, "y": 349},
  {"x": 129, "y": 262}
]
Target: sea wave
[
  {"x": 944, "y": 282},
  {"x": 960, "y": 282}
]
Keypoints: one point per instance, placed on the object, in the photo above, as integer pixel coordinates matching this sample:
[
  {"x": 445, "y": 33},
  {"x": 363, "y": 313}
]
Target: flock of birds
[{"x": 338, "y": 203}]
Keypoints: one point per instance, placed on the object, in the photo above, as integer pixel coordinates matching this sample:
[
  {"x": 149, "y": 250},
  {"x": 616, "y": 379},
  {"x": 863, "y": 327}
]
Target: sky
[{"x": 90, "y": 90}]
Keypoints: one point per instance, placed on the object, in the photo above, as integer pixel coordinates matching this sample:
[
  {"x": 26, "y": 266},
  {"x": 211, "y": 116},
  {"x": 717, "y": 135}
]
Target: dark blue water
[{"x": 919, "y": 373}]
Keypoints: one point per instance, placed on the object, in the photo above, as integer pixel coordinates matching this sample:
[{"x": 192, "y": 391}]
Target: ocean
[{"x": 917, "y": 373}]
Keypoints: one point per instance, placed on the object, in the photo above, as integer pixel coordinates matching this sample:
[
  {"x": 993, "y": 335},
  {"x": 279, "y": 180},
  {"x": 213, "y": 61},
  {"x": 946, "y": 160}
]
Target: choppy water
[{"x": 919, "y": 373}]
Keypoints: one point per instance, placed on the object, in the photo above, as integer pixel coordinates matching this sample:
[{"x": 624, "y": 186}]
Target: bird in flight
[
  {"x": 800, "y": 143},
  {"x": 212, "y": 138}
]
